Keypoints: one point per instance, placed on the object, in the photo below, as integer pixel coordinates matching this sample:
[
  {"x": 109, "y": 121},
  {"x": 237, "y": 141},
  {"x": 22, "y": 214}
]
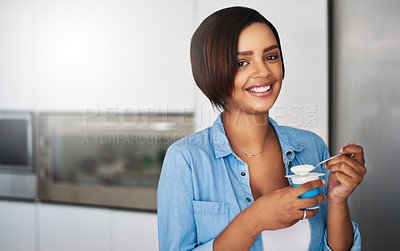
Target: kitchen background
[{"x": 73, "y": 58}]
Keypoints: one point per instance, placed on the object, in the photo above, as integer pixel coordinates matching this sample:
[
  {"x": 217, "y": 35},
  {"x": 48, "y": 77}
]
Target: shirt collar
[
  {"x": 221, "y": 144},
  {"x": 222, "y": 148}
]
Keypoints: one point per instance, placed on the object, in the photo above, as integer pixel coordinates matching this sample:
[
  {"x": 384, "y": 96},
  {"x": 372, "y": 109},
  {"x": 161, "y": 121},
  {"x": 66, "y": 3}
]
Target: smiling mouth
[{"x": 260, "y": 89}]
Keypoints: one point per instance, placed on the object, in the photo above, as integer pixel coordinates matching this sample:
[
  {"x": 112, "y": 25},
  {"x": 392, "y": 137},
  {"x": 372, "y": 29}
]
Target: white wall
[{"x": 73, "y": 55}]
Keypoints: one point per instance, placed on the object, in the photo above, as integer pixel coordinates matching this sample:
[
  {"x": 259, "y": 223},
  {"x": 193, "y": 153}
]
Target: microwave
[
  {"x": 108, "y": 160},
  {"x": 17, "y": 155}
]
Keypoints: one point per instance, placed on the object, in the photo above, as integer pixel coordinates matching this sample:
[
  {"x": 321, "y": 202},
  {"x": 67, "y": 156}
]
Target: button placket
[
  {"x": 288, "y": 158},
  {"x": 244, "y": 178},
  {"x": 289, "y": 154}
]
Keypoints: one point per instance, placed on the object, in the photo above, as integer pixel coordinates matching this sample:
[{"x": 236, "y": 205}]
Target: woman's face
[{"x": 259, "y": 77}]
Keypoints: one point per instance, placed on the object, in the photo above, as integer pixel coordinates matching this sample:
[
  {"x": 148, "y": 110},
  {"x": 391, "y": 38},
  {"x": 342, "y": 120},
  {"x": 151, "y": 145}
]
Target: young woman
[{"x": 224, "y": 188}]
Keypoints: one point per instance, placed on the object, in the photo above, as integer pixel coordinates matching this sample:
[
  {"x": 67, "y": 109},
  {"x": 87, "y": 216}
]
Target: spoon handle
[{"x": 322, "y": 162}]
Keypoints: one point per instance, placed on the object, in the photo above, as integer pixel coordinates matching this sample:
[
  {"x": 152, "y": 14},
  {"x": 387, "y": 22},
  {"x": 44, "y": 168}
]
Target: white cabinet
[
  {"x": 74, "y": 55},
  {"x": 17, "y": 226},
  {"x": 134, "y": 231},
  {"x": 29, "y": 226},
  {"x": 71, "y": 227},
  {"x": 64, "y": 227}
]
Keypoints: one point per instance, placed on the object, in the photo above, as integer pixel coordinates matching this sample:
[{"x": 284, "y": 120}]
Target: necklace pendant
[{"x": 249, "y": 155}]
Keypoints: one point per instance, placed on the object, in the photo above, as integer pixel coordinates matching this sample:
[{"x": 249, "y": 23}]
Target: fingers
[
  {"x": 355, "y": 171},
  {"x": 300, "y": 189},
  {"x": 308, "y": 213},
  {"x": 346, "y": 165},
  {"x": 357, "y": 150},
  {"x": 311, "y": 202},
  {"x": 348, "y": 182}
]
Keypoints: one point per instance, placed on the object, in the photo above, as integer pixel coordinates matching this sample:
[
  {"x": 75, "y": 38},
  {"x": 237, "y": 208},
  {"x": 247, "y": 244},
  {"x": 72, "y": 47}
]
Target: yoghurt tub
[{"x": 301, "y": 179}]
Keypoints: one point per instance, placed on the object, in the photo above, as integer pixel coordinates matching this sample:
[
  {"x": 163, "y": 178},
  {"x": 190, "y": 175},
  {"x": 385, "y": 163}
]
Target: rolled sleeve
[{"x": 356, "y": 239}]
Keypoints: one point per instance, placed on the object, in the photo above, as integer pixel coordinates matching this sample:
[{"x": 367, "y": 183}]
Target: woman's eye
[
  {"x": 242, "y": 63},
  {"x": 271, "y": 57}
]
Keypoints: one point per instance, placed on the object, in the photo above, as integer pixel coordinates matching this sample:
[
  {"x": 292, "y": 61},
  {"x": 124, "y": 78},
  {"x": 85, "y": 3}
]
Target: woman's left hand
[{"x": 347, "y": 172}]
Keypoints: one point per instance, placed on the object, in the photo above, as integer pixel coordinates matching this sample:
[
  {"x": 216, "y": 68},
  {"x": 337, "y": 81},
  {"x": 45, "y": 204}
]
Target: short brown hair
[{"x": 213, "y": 50}]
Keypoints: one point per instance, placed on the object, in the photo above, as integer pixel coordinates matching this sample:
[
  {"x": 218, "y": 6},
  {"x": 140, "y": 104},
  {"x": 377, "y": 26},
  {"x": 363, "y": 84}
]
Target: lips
[{"x": 261, "y": 90}]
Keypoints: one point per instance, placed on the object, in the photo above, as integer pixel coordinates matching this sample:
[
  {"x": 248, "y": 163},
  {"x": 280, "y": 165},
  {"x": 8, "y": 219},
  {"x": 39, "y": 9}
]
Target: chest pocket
[{"x": 211, "y": 218}]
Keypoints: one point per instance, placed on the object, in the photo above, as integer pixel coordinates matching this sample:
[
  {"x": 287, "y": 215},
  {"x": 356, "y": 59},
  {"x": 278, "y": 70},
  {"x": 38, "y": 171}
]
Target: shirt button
[
  {"x": 289, "y": 154},
  {"x": 243, "y": 173},
  {"x": 248, "y": 199}
]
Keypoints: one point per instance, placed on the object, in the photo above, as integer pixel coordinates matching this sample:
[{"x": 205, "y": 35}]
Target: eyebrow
[{"x": 247, "y": 53}]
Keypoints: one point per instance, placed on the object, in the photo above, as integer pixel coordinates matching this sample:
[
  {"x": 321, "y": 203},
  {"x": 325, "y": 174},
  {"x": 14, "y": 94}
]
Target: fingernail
[
  {"x": 341, "y": 150},
  {"x": 323, "y": 182}
]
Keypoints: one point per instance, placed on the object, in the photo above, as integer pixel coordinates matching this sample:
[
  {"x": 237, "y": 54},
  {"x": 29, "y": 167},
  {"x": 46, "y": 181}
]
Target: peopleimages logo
[
  {"x": 160, "y": 125},
  {"x": 130, "y": 139},
  {"x": 134, "y": 125},
  {"x": 294, "y": 115},
  {"x": 135, "y": 116}
]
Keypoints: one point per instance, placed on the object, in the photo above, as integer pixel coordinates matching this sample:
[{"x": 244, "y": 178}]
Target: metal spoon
[{"x": 308, "y": 168}]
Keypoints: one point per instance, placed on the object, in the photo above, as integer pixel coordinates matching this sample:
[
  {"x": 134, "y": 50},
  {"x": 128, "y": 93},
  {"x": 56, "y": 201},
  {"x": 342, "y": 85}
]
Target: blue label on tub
[{"x": 308, "y": 194}]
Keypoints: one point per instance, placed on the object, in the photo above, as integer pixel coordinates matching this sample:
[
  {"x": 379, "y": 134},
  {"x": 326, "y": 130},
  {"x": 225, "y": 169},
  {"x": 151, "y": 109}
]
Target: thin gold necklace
[{"x": 249, "y": 155}]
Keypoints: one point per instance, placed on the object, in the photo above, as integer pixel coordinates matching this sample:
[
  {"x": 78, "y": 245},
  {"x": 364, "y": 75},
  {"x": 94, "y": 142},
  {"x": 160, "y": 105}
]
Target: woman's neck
[{"x": 248, "y": 132}]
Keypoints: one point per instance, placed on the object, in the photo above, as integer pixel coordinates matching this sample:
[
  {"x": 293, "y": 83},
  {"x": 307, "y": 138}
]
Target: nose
[{"x": 261, "y": 69}]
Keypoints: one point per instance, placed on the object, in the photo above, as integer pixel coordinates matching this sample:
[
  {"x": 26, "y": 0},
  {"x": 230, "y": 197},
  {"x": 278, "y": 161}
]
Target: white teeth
[{"x": 260, "y": 89}]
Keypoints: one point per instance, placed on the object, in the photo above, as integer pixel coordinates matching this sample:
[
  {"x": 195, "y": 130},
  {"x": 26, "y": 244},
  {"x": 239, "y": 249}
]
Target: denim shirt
[{"x": 204, "y": 185}]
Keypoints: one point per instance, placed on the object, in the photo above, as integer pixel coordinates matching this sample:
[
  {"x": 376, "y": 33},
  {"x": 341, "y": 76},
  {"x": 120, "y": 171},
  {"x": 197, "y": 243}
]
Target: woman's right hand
[{"x": 283, "y": 208}]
